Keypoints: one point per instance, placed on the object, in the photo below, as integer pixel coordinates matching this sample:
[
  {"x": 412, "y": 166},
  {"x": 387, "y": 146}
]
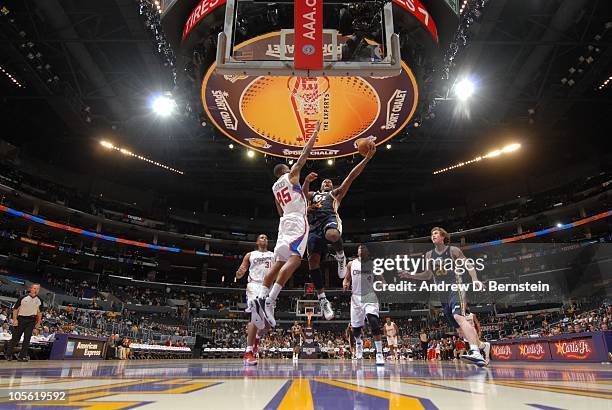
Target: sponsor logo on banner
[
  {"x": 502, "y": 352},
  {"x": 203, "y": 8},
  {"x": 308, "y": 23},
  {"x": 309, "y": 347},
  {"x": 277, "y": 115},
  {"x": 417, "y": 9},
  {"x": 85, "y": 349},
  {"x": 532, "y": 351},
  {"x": 89, "y": 349},
  {"x": 578, "y": 349},
  {"x": 394, "y": 108},
  {"x": 225, "y": 110}
]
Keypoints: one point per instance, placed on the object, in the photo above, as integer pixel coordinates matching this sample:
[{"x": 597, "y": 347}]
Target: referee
[{"x": 26, "y": 316}]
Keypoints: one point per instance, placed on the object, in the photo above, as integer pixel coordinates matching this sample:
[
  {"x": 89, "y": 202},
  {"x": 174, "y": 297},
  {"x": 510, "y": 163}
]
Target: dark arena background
[{"x": 142, "y": 260}]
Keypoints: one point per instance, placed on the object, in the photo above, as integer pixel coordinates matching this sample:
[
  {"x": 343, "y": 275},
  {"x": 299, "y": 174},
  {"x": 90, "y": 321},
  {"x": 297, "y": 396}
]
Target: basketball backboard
[{"x": 308, "y": 38}]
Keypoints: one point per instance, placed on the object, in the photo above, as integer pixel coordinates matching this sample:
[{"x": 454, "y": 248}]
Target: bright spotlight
[
  {"x": 493, "y": 154},
  {"x": 163, "y": 105},
  {"x": 106, "y": 144},
  {"x": 559, "y": 224},
  {"x": 511, "y": 147},
  {"x": 464, "y": 89},
  {"x": 250, "y": 154},
  {"x": 388, "y": 146},
  {"x": 330, "y": 162},
  {"x": 231, "y": 146}
]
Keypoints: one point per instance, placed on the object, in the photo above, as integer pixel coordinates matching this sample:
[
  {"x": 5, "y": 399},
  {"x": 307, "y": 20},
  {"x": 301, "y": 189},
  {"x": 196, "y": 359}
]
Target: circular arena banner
[{"x": 276, "y": 115}]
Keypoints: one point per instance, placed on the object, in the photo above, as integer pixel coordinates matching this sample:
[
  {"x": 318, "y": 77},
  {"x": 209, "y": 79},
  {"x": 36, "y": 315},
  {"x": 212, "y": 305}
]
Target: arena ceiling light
[
  {"x": 250, "y": 153},
  {"x": 493, "y": 154},
  {"x": 11, "y": 77},
  {"x": 111, "y": 146},
  {"x": 464, "y": 89},
  {"x": 163, "y": 105}
]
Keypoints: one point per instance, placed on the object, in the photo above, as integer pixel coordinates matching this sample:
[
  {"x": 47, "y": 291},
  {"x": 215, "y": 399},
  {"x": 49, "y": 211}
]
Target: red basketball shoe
[{"x": 250, "y": 359}]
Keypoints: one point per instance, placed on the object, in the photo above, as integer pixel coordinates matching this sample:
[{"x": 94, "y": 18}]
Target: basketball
[{"x": 364, "y": 145}]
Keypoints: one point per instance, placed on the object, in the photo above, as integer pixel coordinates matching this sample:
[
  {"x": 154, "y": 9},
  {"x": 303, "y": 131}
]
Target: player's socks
[
  {"x": 487, "y": 351},
  {"x": 249, "y": 348},
  {"x": 263, "y": 292},
  {"x": 326, "y": 308},
  {"x": 341, "y": 265},
  {"x": 257, "y": 313},
  {"x": 338, "y": 247},
  {"x": 268, "y": 309},
  {"x": 276, "y": 288},
  {"x": 378, "y": 345},
  {"x": 358, "y": 348}
]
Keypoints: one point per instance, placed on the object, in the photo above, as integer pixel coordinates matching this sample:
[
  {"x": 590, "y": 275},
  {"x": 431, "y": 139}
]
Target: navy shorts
[
  {"x": 454, "y": 305},
  {"x": 316, "y": 236}
]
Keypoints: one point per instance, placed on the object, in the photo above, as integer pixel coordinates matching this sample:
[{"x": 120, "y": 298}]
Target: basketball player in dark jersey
[
  {"x": 326, "y": 226},
  {"x": 453, "y": 302},
  {"x": 297, "y": 336}
]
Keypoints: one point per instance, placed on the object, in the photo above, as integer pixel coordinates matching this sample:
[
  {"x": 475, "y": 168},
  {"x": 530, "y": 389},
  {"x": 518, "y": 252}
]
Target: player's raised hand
[
  {"x": 311, "y": 177},
  {"x": 371, "y": 152}
]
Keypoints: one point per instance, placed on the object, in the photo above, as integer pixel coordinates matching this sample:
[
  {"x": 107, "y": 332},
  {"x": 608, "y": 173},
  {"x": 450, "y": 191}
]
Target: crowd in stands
[
  {"x": 121, "y": 330},
  {"x": 573, "y": 191}
]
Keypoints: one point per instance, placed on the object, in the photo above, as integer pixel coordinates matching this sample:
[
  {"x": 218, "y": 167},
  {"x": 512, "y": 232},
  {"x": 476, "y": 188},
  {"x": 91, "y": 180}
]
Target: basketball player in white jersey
[
  {"x": 364, "y": 303},
  {"x": 473, "y": 320},
  {"x": 391, "y": 332},
  {"x": 292, "y": 233},
  {"x": 258, "y": 263}
]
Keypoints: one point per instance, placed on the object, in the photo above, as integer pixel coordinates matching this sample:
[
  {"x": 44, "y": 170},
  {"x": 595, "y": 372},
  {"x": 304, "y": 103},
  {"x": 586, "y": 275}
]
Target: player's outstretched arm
[
  {"x": 306, "y": 185},
  {"x": 458, "y": 254},
  {"x": 294, "y": 174},
  {"x": 341, "y": 191},
  {"x": 243, "y": 266},
  {"x": 427, "y": 274}
]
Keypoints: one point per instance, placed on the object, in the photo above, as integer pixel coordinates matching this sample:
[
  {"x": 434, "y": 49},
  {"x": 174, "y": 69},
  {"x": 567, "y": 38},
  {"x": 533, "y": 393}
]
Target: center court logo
[{"x": 276, "y": 115}]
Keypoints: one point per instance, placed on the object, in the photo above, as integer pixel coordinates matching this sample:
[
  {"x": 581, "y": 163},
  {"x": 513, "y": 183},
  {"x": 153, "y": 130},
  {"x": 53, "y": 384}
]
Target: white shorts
[
  {"x": 292, "y": 237},
  {"x": 392, "y": 341},
  {"x": 359, "y": 310},
  {"x": 252, "y": 290}
]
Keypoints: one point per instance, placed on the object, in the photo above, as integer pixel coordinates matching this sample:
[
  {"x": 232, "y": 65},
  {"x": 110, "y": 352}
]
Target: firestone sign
[{"x": 277, "y": 115}]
